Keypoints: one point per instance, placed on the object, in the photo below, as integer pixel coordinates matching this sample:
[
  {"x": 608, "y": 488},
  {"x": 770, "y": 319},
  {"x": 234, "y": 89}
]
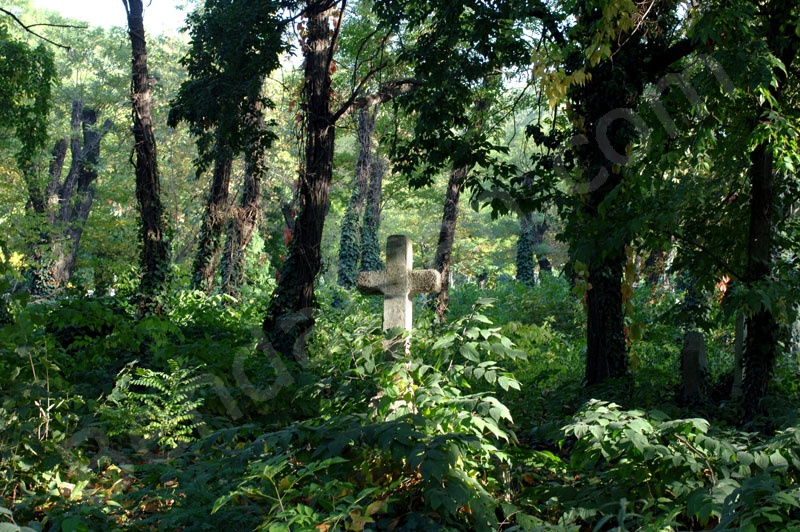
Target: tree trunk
[
  {"x": 214, "y": 220},
  {"x": 525, "y": 268},
  {"x": 762, "y": 330},
  {"x": 349, "y": 244},
  {"x": 76, "y": 202},
  {"x": 67, "y": 205},
  {"x": 447, "y": 234},
  {"x": 244, "y": 219},
  {"x": 606, "y": 353},
  {"x": 370, "y": 243},
  {"x": 154, "y": 261},
  {"x": 539, "y": 247},
  {"x": 289, "y": 313}
]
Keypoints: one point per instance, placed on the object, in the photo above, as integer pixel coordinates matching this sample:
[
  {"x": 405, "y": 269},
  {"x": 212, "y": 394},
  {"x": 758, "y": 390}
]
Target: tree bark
[
  {"x": 370, "y": 243},
  {"x": 65, "y": 206},
  {"x": 539, "y": 230},
  {"x": 762, "y": 330},
  {"x": 76, "y": 202},
  {"x": 447, "y": 234},
  {"x": 606, "y": 352},
  {"x": 525, "y": 268},
  {"x": 289, "y": 313},
  {"x": 244, "y": 219},
  {"x": 154, "y": 261},
  {"x": 350, "y": 242},
  {"x": 214, "y": 220}
]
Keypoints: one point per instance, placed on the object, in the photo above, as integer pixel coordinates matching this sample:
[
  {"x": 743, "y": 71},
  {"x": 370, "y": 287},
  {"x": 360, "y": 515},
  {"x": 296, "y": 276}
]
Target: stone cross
[{"x": 398, "y": 283}]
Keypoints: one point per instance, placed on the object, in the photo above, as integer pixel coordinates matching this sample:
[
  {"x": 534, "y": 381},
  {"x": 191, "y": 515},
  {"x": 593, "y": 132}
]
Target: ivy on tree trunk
[
  {"x": 214, "y": 220},
  {"x": 244, "y": 219},
  {"x": 447, "y": 234},
  {"x": 289, "y": 314},
  {"x": 370, "y": 244},
  {"x": 350, "y": 242},
  {"x": 154, "y": 261}
]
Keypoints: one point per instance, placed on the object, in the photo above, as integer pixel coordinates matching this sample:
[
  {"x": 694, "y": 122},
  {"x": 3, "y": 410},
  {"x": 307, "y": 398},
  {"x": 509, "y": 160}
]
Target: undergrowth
[{"x": 188, "y": 422}]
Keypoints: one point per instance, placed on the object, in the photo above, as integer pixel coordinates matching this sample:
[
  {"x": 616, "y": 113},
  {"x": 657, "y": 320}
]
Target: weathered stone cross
[{"x": 398, "y": 283}]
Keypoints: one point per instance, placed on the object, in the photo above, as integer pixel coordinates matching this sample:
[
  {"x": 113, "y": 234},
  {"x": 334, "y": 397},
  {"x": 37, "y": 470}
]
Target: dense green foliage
[
  {"x": 474, "y": 431},
  {"x": 191, "y": 419}
]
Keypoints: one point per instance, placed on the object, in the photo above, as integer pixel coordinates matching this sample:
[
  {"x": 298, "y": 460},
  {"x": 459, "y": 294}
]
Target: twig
[{"x": 701, "y": 455}]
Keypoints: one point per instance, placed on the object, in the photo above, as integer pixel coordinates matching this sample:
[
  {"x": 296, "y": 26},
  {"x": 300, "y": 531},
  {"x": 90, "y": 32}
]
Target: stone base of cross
[{"x": 398, "y": 283}]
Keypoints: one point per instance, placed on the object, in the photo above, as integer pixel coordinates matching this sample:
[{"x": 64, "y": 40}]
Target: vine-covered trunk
[
  {"x": 370, "y": 244},
  {"x": 526, "y": 273},
  {"x": 244, "y": 219},
  {"x": 539, "y": 247},
  {"x": 154, "y": 261},
  {"x": 289, "y": 313},
  {"x": 214, "y": 219},
  {"x": 350, "y": 242},
  {"x": 447, "y": 235},
  {"x": 77, "y": 202},
  {"x": 762, "y": 330}
]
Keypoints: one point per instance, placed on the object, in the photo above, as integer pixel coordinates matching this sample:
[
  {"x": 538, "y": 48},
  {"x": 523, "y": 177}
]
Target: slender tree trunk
[
  {"x": 289, "y": 312},
  {"x": 154, "y": 260},
  {"x": 525, "y": 268},
  {"x": 349, "y": 244},
  {"x": 370, "y": 243},
  {"x": 762, "y": 330},
  {"x": 214, "y": 221},
  {"x": 447, "y": 234}
]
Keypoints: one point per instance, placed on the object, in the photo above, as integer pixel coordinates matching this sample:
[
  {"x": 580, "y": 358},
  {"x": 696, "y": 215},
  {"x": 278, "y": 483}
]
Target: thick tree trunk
[
  {"x": 447, "y": 235},
  {"x": 350, "y": 242},
  {"x": 289, "y": 314},
  {"x": 154, "y": 261},
  {"x": 214, "y": 220},
  {"x": 370, "y": 243},
  {"x": 606, "y": 352},
  {"x": 762, "y": 330}
]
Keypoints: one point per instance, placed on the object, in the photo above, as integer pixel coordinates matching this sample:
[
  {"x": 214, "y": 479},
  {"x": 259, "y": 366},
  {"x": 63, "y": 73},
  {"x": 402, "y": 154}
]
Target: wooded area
[{"x": 603, "y": 201}]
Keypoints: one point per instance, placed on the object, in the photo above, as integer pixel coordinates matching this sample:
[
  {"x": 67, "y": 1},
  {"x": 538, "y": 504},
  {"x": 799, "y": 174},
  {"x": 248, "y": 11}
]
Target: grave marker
[{"x": 398, "y": 283}]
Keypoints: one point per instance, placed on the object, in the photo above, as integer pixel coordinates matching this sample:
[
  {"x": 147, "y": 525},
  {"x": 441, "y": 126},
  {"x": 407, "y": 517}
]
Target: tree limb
[{"x": 42, "y": 37}]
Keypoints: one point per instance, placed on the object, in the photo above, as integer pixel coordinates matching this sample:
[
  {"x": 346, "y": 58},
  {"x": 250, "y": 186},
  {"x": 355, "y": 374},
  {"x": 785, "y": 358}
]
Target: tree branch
[{"x": 42, "y": 37}]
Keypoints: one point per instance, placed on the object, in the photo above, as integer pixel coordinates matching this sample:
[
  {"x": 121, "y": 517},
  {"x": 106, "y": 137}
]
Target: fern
[{"x": 164, "y": 412}]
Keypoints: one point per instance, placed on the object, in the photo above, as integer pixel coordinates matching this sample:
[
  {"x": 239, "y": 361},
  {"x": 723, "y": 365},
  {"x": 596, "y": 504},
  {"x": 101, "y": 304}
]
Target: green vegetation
[
  {"x": 618, "y": 344},
  {"x": 181, "y": 422}
]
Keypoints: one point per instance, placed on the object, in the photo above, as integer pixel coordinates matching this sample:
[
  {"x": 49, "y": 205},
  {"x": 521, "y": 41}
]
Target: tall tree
[
  {"x": 214, "y": 220},
  {"x": 447, "y": 235},
  {"x": 289, "y": 314},
  {"x": 779, "y": 19},
  {"x": 243, "y": 221},
  {"x": 350, "y": 242},
  {"x": 293, "y": 298},
  {"x": 154, "y": 260},
  {"x": 67, "y": 204},
  {"x": 234, "y": 46},
  {"x": 601, "y": 87},
  {"x": 370, "y": 245}
]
